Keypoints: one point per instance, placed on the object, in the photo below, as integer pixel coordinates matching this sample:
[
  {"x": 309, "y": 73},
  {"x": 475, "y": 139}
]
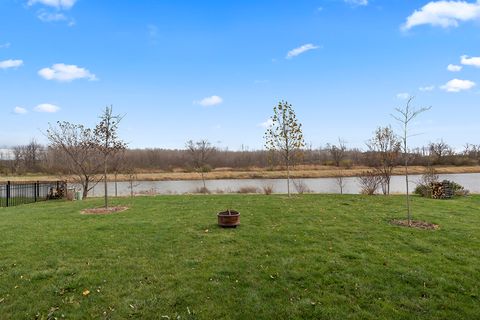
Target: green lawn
[{"x": 309, "y": 257}]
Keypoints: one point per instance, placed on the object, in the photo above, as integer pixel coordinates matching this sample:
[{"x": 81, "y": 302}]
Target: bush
[
  {"x": 267, "y": 189},
  {"x": 441, "y": 190},
  {"x": 301, "y": 186},
  {"x": 369, "y": 182},
  {"x": 203, "y": 190},
  {"x": 247, "y": 190}
]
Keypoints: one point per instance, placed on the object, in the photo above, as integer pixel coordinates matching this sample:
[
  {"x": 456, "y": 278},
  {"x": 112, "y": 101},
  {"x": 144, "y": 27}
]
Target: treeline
[{"x": 36, "y": 158}]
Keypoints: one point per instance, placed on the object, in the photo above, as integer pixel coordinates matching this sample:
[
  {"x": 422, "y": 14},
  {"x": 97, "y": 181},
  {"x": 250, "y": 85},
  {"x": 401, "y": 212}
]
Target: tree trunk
[
  {"x": 116, "y": 187},
  {"x": 105, "y": 182},
  {"x": 288, "y": 179},
  {"x": 409, "y": 214},
  {"x": 85, "y": 189},
  {"x": 204, "y": 184}
]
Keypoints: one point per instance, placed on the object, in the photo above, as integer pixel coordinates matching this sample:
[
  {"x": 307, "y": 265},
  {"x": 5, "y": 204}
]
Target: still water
[{"x": 470, "y": 181}]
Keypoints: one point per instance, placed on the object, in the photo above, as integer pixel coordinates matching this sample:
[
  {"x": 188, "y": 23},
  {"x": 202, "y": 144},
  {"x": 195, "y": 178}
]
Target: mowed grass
[{"x": 308, "y": 257}]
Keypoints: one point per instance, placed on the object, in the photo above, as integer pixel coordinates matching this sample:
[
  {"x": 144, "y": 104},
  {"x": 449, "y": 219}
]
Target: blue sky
[{"x": 184, "y": 70}]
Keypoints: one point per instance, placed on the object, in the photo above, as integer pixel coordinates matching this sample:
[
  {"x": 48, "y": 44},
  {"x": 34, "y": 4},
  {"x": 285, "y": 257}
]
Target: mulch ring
[
  {"x": 108, "y": 210},
  {"x": 416, "y": 224}
]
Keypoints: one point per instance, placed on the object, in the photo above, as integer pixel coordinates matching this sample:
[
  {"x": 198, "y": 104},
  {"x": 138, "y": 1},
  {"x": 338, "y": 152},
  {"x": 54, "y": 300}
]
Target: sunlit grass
[{"x": 312, "y": 256}]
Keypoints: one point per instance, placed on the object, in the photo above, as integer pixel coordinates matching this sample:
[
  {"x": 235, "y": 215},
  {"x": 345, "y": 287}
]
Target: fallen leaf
[{"x": 86, "y": 292}]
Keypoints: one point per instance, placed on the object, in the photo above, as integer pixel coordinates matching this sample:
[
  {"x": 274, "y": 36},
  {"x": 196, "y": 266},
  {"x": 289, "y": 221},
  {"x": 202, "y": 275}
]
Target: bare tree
[
  {"x": 75, "y": 153},
  {"x": 107, "y": 142},
  {"x": 439, "y": 150},
  {"x": 285, "y": 136},
  {"x": 200, "y": 152},
  {"x": 405, "y": 116},
  {"x": 385, "y": 149},
  {"x": 340, "y": 179},
  {"x": 337, "y": 152},
  {"x": 472, "y": 151}
]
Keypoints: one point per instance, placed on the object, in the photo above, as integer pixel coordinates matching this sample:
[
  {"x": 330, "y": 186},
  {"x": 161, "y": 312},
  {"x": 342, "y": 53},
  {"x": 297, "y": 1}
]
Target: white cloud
[
  {"x": 457, "y": 85},
  {"x": 444, "y": 14},
  {"x": 267, "y": 124},
  {"x": 454, "y": 68},
  {"x": 59, "y": 4},
  {"x": 51, "y": 17},
  {"x": 47, "y": 107},
  {"x": 5, "y": 45},
  {"x": 302, "y": 49},
  {"x": 19, "y": 110},
  {"x": 403, "y": 95},
  {"x": 427, "y": 88},
  {"x": 210, "y": 101},
  {"x": 471, "y": 61},
  {"x": 357, "y": 2},
  {"x": 66, "y": 73},
  {"x": 6, "y": 64}
]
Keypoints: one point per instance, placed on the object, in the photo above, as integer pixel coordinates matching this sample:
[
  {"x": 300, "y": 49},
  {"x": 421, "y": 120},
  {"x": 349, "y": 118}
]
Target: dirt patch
[
  {"x": 108, "y": 210},
  {"x": 416, "y": 224}
]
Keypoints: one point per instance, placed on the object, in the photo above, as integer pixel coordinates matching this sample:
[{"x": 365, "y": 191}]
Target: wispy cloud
[
  {"x": 19, "y": 110},
  {"x": 427, "y": 88},
  {"x": 66, "y": 73},
  {"x": 403, "y": 95},
  {"x": 7, "y": 64},
  {"x": 302, "y": 49},
  {"x": 356, "y": 2},
  {"x": 47, "y": 108},
  {"x": 209, "y": 101},
  {"x": 443, "y": 14},
  {"x": 5, "y": 45},
  {"x": 457, "y": 85},
  {"x": 470, "y": 61},
  {"x": 454, "y": 68},
  {"x": 58, "y": 4},
  {"x": 267, "y": 124},
  {"x": 46, "y": 16}
]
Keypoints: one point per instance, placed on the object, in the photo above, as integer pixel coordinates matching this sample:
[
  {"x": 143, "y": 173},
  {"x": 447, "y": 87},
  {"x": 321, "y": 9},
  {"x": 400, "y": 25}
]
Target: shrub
[
  {"x": 369, "y": 182},
  {"x": 247, "y": 190},
  {"x": 267, "y": 189},
  {"x": 301, "y": 187},
  {"x": 441, "y": 190},
  {"x": 203, "y": 190}
]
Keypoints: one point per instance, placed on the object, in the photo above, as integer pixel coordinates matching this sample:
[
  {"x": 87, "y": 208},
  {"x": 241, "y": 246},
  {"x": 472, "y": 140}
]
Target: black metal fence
[{"x": 17, "y": 193}]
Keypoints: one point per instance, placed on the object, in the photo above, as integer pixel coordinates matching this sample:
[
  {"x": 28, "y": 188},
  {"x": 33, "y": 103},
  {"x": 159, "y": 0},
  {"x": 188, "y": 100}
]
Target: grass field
[{"x": 309, "y": 257}]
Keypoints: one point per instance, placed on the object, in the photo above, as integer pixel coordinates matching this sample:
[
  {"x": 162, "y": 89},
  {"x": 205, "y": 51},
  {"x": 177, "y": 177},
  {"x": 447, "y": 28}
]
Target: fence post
[
  {"x": 8, "y": 192},
  {"x": 35, "y": 190}
]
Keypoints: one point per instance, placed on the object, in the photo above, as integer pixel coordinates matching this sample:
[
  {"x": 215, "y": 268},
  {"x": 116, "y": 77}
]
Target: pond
[{"x": 470, "y": 181}]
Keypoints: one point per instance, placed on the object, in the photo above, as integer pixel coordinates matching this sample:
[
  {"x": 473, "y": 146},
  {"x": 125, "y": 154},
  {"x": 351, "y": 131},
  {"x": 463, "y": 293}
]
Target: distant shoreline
[{"x": 228, "y": 173}]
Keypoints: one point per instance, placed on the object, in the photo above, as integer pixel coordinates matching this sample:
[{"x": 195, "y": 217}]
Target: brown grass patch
[
  {"x": 299, "y": 172},
  {"x": 101, "y": 211},
  {"x": 416, "y": 224}
]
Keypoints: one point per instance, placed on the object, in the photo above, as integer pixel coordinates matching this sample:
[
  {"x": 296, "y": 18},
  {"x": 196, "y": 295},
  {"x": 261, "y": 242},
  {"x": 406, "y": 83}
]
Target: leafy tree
[
  {"x": 107, "y": 141},
  {"x": 385, "y": 149},
  {"x": 199, "y": 152},
  {"x": 285, "y": 136},
  {"x": 405, "y": 116}
]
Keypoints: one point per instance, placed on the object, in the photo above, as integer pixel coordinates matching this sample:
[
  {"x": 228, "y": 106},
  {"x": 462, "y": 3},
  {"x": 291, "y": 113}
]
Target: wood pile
[{"x": 442, "y": 190}]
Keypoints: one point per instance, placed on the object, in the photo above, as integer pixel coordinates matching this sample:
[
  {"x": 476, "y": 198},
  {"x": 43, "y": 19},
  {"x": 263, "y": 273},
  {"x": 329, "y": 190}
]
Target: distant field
[
  {"x": 308, "y": 257},
  {"x": 256, "y": 173}
]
